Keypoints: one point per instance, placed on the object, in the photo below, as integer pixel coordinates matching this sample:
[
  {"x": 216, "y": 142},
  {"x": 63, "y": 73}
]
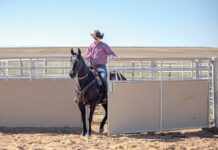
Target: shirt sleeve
[
  {"x": 109, "y": 51},
  {"x": 87, "y": 52}
]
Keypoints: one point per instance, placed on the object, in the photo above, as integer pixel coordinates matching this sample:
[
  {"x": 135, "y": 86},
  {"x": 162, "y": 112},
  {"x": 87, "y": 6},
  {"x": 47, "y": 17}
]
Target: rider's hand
[{"x": 90, "y": 55}]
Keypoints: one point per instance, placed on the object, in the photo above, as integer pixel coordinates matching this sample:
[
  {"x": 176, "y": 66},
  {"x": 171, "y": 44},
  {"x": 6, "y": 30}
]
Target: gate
[{"x": 159, "y": 94}]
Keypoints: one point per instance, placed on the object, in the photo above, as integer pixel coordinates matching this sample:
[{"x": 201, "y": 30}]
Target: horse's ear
[
  {"x": 72, "y": 52},
  {"x": 79, "y": 52}
]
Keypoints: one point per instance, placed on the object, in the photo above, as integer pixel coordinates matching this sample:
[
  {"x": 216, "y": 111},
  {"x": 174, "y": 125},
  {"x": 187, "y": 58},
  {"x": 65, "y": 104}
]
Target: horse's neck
[
  {"x": 86, "y": 73},
  {"x": 84, "y": 70}
]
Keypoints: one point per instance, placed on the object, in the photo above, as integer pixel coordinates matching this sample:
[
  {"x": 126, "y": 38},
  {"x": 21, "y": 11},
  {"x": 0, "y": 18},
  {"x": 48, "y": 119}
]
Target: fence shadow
[
  {"x": 171, "y": 136},
  {"x": 38, "y": 130}
]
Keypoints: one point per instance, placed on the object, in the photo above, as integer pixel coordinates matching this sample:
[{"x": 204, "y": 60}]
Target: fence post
[
  {"x": 64, "y": 67},
  {"x": 170, "y": 66},
  {"x": 45, "y": 69},
  {"x": 197, "y": 69},
  {"x": 2, "y": 70},
  {"x": 21, "y": 67},
  {"x": 32, "y": 68},
  {"x": 140, "y": 65},
  {"x": 183, "y": 69},
  {"x": 215, "y": 89},
  {"x": 133, "y": 72},
  {"x": 6, "y": 70},
  {"x": 153, "y": 72},
  {"x": 161, "y": 95}
]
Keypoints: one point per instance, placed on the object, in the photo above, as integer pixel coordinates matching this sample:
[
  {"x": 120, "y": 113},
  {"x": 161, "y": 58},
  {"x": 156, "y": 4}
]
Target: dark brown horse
[{"x": 88, "y": 90}]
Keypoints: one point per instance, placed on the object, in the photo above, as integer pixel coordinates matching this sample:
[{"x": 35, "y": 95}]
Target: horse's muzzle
[{"x": 72, "y": 74}]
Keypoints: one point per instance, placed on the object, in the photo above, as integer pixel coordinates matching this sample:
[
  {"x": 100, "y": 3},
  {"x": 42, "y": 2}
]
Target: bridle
[{"x": 79, "y": 68}]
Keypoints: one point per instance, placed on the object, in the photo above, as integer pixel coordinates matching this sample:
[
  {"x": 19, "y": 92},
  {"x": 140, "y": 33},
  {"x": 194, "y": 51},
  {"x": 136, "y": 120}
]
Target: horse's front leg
[
  {"x": 83, "y": 117},
  {"x": 92, "y": 109},
  {"x": 101, "y": 129}
]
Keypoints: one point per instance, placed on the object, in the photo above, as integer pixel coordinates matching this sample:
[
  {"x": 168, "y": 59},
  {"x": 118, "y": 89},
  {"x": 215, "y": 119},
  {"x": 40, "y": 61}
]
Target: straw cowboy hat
[{"x": 97, "y": 35}]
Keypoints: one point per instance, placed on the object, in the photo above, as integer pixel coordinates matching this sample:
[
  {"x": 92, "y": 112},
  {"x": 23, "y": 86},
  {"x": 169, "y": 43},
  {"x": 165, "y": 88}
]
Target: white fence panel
[
  {"x": 37, "y": 92},
  {"x": 185, "y": 104},
  {"x": 172, "y": 94},
  {"x": 134, "y": 107},
  {"x": 38, "y": 103}
]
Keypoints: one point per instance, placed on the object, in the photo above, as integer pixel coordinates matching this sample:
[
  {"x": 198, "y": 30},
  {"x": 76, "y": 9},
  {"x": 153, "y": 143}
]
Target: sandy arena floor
[{"x": 53, "y": 139}]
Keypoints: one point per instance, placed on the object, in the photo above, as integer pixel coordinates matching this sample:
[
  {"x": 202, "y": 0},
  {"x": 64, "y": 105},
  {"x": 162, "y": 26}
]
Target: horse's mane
[{"x": 87, "y": 62}]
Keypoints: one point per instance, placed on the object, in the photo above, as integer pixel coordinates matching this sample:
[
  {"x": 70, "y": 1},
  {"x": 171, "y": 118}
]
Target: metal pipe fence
[
  {"x": 140, "y": 69},
  {"x": 134, "y": 69},
  {"x": 34, "y": 67}
]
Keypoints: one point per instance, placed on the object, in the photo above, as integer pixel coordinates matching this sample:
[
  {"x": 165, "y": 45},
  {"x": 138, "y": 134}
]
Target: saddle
[{"x": 94, "y": 70}]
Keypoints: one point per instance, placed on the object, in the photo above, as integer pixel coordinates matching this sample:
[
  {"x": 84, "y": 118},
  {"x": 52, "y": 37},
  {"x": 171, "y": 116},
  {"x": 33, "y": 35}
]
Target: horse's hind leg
[
  {"x": 83, "y": 116},
  {"x": 92, "y": 109},
  {"x": 101, "y": 129}
]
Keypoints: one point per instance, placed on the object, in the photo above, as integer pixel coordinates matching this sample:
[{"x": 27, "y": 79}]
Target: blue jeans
[{"x": 103, "y": 73}]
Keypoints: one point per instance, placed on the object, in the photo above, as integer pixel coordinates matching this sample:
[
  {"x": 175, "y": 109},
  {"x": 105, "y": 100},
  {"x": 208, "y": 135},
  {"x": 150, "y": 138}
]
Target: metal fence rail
[
  {"x": 138, "y": 69},
  {"x": 35, "y": 67},
  {"x": 132, "y": 68}
]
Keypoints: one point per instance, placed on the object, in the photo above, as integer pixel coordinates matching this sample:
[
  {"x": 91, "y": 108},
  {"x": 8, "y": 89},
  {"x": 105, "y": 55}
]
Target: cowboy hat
[{"x": 97, "y": 35}]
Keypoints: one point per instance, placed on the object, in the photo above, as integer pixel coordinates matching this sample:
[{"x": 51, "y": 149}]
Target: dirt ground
[{"x": 54, "y": 139}]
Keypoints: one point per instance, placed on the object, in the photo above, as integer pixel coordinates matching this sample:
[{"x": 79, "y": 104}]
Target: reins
[{"x": 83, "y": 77}]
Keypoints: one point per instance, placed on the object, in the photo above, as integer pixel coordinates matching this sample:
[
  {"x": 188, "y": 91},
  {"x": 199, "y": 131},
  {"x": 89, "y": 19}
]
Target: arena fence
[
  {"x": 37, "y": 92},
  {"x": 34, "y": 67},
  {"x": 168, "y": 93},
  {"x": 160, "y": 94}
]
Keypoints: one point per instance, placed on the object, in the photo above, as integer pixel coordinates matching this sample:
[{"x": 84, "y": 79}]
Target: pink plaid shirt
[{"x": 99, "y": 52}]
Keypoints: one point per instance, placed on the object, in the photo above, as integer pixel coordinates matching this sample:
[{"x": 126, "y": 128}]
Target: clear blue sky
[{"x": 124, "y": 22}]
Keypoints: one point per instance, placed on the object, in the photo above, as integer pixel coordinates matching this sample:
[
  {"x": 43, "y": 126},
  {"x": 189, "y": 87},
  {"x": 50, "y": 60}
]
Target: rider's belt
[{"x": 98, "y": 65}]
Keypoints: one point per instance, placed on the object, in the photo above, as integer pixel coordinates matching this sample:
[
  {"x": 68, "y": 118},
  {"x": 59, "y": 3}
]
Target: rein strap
[{"x": 82, "y": 93}]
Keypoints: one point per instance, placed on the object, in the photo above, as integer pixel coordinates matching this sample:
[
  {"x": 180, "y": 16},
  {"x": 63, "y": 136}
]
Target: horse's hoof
[
  {"x": 88, "y": 135},
  {"x": 101, "y": 130},
  {"x": 83, "y": 134}
]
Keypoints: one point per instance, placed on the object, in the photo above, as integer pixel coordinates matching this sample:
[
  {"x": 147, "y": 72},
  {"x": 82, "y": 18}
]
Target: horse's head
[{"x": 76, "y": 61}]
